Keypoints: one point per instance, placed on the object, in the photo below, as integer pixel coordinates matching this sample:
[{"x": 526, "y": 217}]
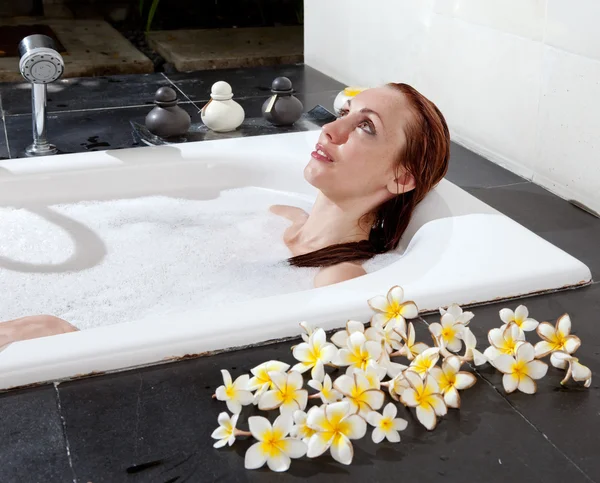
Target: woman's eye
[
  {"x": 367, "y": 127},
  {"x": 343, "y": 112}
]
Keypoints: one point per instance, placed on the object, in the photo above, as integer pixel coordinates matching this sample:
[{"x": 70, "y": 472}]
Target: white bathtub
[{"x": 456, "y": 250}]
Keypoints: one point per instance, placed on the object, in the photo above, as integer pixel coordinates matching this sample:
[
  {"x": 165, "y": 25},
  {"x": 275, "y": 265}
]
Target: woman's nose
[{"x": 336, "y": 131}]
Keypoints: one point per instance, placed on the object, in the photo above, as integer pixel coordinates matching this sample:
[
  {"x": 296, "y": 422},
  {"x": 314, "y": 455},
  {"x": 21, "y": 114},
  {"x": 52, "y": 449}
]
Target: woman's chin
[{"x": 317, "y": 174}]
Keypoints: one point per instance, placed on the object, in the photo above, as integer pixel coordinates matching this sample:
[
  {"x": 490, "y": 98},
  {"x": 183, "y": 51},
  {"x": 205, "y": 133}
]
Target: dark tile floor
[{"x": 104, "y": 429}]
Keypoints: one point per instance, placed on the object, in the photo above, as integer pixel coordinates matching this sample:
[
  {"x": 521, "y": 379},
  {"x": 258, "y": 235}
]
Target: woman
[{"x": 372, "y": 166}]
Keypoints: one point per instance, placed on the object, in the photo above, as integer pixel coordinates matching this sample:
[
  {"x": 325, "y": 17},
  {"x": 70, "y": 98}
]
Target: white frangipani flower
[
  {"x": 314, "y": 354},
  {"x": 391, "y": 368},
  {"x": 308, "y": 330},
  {"x": 287, "y": 393},
  {"x": 385, "y": 425},
  {"x": 326, "y": 391},
  {"x": 457, "y": 314},
  {"x": 451, "y": 379},
  {"x": 520, "y": 317},
  {"x": 360, "y": 393},
  {"x": 397, "y": 386},
  {"x": 520, "y": 371},
  {"x": 424, "y": 394},
  {"x": 556, "y": 338},
  {"x": 225, "y": 433},
  {"x": 357, "y": 353},
  {"x": 261, "y": 381},
  {"x": 235, "y": 394},
  {"x": 471, "y": 352},
  {"x": 273, "y": 446},
  {"x": 300, "y": 430},
  {"x": 335, "y": 426},
  {"x": 579, "y": 372},
  {"x": 425, "y": 361},
  {"x": 389, "y": 336},
  {"x": 392, "y": 307},
  {"x": 411, "y": 349},
  {"x": 340, "y": 338},
  {"x": 504, "y": 341},
  {"x": 449, "y": 331}
]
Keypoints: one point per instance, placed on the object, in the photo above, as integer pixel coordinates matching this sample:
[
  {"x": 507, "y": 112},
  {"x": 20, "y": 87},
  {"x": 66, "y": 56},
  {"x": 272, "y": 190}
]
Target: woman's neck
[{"x": 330, "y": 223}]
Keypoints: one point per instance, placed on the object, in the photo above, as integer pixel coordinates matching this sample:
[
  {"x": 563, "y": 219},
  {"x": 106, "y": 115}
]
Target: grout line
[
  {"x": 508, "y": 184},
  {"x": 489, "y": 383},
  {"x": 5, "y": 130},
  {"x": 64, "y": 428},
  {"x": 183, "y": 93}
]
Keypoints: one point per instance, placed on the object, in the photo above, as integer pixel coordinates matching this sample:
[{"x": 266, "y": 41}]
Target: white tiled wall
[{"x": 518, "y": 80}]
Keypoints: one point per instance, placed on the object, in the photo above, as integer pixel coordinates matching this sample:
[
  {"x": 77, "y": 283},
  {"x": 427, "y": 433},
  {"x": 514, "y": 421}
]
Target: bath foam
[{"x": 155, "y": 256}]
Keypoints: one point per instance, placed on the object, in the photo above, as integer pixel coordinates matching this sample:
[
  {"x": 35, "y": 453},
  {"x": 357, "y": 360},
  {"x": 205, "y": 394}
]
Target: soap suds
[{"x": 161, "y": 256}]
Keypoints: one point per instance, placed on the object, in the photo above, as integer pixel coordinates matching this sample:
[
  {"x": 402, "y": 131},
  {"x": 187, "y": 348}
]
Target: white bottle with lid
[{"x": 222, "y": 113}]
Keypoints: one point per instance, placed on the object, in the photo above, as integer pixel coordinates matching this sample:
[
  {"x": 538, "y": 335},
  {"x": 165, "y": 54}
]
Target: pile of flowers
[{"x": 377, "y": 363}]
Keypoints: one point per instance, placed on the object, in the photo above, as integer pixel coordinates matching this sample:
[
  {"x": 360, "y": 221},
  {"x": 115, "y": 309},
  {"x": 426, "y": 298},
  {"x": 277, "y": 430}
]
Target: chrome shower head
[{"x": 40, "y": 62}]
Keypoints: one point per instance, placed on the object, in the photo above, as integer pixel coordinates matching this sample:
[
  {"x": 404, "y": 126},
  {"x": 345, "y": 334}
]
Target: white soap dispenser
[{"x": 222, "y": 113}]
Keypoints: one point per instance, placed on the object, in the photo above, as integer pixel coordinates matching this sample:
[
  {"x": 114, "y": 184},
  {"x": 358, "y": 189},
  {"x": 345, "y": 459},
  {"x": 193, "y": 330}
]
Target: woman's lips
[{"x": 320, "y": 154}]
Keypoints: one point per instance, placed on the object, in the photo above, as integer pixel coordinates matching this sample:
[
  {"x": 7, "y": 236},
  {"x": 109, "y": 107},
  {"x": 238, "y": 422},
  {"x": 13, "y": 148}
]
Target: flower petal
[
  {"x": 316, "y": 419},
  {"x": 543, "y": 348},
  {"x": 496, "y": 338},
  {"x": 504, "y": 363},
  {"x": 507, "y": 316},
  {"x": 510, "y": 382},
  {"x": 395, "y": 294},
  {"x": 378, "y": 435},
  {"x": 269, "y": 400},
  {"x": 328, "y": 352},
  {"x": 546, "y": 331},
  {"x": 491, "y": 353},
  {"x": 220, "y": 433},
  {"x": 283, "y": 424},
  {"x": 221, "y": 394},
  {"x": 409, "y": 397},
  {"x": 255, "y": 457},
  {"x": 341, "y": 450},
  {"x": 454, "y": 345},
  {"x": 302, "y": 352},
  {"x": 426, "y": 416},
  {"x": 438, "y": 404},
  {"x": 537, "y": 369},
  {"x": 224, "y": 419},
  {"x": 527, "y": 384},
  {"x": 379, "y": 319},
  {"x": 379, "y": 303},
  {"x": 563, "y": 324},
  {"x": 521, "y": 312},
  {"x": 464, "y": 380},
  {"x": 226, "y": 377},
  {"x": 572, "y": 343},
  {"x": 393, "y": 436},
  {"x": 374, "y": 417},
  {"x": 295, "y": 448},
  {"x": 560, "y": 359},
  {"x": 234, "y": 406},
  {"x": 400, "y": 424},
  {"x": 581, "y": 372},
  {"x": 356, "y": 426},
  {"x": 455, "y": 310},
  {"x": 245, "y": 397},
  {"x": 451, "y": 398},
  {"x": 414, "y": 379},
  {"x": 279, "y": 461},
  {"x": 374, "y": 398},
  {"x": 409, "y": 310},
  {"x": 318, "y": 371},
  {"x": 344, "y": 384},
  {"x": 220, "y": 443},
  {"x": 340, "y": 338},
  {"x": 343, "y": 357},
  {"x": 259, "y": 426},
  {"x": 525, "y": 352},
  {"x": 435, "y": 329},
  {"x": 529, "y": 324},
  {"x": 390, "y": 410},
  {"x": 318, "y": 444}
]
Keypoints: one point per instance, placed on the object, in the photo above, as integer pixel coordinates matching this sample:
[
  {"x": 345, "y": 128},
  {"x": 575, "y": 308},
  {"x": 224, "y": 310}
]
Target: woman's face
[{"x": 357, "y": 154}]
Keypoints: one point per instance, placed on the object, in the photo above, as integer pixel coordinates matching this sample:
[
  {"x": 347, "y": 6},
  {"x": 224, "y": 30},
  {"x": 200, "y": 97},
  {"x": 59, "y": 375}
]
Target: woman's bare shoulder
[
  {"x": 338, "y": 273},
  {"x": 292, "y": 213}
]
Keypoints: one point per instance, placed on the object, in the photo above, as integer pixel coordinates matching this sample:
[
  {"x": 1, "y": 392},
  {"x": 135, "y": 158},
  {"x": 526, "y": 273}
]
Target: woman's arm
[
  {"x": 32, "y": 328},
  {"x": 338, "y": 273}
]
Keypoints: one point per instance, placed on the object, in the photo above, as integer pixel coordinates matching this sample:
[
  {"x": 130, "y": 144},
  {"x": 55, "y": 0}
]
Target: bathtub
[{"x": 456, "y": 250}]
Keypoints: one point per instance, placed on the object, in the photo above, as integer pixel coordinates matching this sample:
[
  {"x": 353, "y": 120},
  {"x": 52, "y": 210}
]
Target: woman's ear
[{"x": 401, "y": 184}]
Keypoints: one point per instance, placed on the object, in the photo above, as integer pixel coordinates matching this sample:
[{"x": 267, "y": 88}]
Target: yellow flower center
[
  {"x": 359, "y": 358},
  {"x": 230, "y": 391},
  {"x": 447, "y": 382},
  {"x": 305, "y": 431},
  {"x": 448, "y": 333},
  {"x": 424, "y": 397},
  {"x": 273, "y": 443},
  {"x": 509, "y": 346},
  {"x": 520, "y": 368},
  {"x": 558, "y": 340},
  {"x": 394, "y": 310},
  {"x": 386, "y": 424},
  {"x": 423, "y": 365},
  {"x": 286, "y": 394}
]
